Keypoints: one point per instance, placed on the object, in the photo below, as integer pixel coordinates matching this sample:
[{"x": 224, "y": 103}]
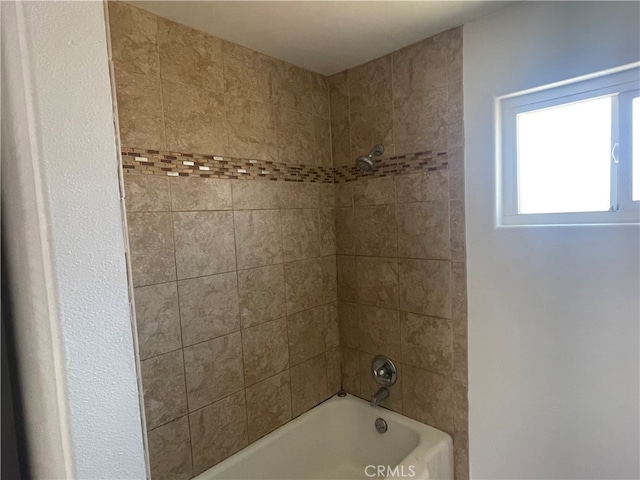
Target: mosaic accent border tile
[{"x": 176, "y": 164}]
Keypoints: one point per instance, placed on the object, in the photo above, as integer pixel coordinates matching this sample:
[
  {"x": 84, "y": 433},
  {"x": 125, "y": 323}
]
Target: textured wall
[{"x": 400, "y": 238}]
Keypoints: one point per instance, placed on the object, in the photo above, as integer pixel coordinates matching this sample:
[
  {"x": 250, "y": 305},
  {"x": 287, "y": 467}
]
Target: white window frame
[{"x": 623, "y": 85}]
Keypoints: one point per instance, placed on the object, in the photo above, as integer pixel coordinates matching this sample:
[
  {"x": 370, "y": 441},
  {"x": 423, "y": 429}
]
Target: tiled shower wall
[
  {"x": 400, "y": 238},
  {"x": 234, "y": 280}
]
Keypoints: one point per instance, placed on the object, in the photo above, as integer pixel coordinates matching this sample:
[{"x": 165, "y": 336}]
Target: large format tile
[
  {"x": 329, "y": 279},
  {"x": 345, "y": 231},
  {"x": 261, "y": 292},
  {"x": 459, "y": 320},
  {"x": 344, "y": 194},
  {"x": 134, "y": 35},
  {"x": 213, "y": 370},
  {"x": 218, "y": 431},
  {"x": 374, "y": 191},
  {"x": 146, "y": 193},
  {"x": 164, "y": 388},
  {"x": 204, "y": 243},
  {"x": 151, "y": 248},
  {"x": 194, "y": 193},
  {"x": 348, "y": 318},
  {"x": 427, "y": 397},
  {"x": 320, "y": 106},
  {"x": 194, "y": 119},
  {"x": 458, "y": 250},
  {"x": 334, "y": 371},
  {"x": 251, "y": 129},
  {"x": 350, "y": 362},
  {"x": 306, "y": 331},
  {"x": 268, "y": 405},
  {"x": 258, "y": 238},
  {"x": 370, "y": 127},
  {"x": 418, "y": 68},
  {"x": 291, "y": 86},
  {"x": 327, "y": 226},
  {"x": 190, "y": 56},
  {"x": 341, "y": 141},
  {"x": 339, "y": 94},
  {"x": 376, "y": 233},
  {"x": 265, "y": 351},
  {"x": 423, "y": 230},
  {"x": 157, "y": 319},
  {"x": 347, "y": 285},
  {"x": 296, "y": 136},
  {"x": 426, "y": 343},
  {"x": 377, "y": 279},
  {"x": 247, "y": 73},
  {"x": 322, "y": 148},
  {"x": 304, "y": 284},
  {"x": 308, "y": 384},
  {"x": 140, "y": 117},
  {"x": 208, "y": 307},
  {"x": 300, "y": 234},
  {"x": 423, "y": 186},
  {"x": 170, "y": 451},
  {"x": 256, "y": 195},
  {"x": 331, "y": 326},
  {"x": 298, "y": 195},
  {"x": 370, "y": 84},
  {"x": 425, "y": 287},
  {"x": 420, "y": 122},
  {"x": 379, "y": 331}
]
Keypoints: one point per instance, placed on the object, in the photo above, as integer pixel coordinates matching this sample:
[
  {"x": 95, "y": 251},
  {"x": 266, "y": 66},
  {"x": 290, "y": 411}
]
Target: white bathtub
[{"x": 337, "y": 440}]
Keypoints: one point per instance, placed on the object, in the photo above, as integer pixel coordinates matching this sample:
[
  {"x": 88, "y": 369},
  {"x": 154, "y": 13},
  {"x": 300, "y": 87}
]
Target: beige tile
[
  {"x": 460, "y": 430},
  {"x": 450, "y": 42},
  {"x": 164, "y": 388},
  {"x": 194, "y": 119},
  {"x": 329, "y": 279},
  {"x": 377, "y": 280},
  {"x": 345, "y": 234},
  {"x": 322, "y": 148},
  {"x": 350, "y": 371},
  {"x": 427, "y": 397},
  {"x": 327, "y": 226},
  {"x": 347, "y": 284},
  {"x": 139, "y": 110},
  {"x": 306, "y": 332},
  {"x": 134, "y": 35},
  {"x": 459, "y": 320},
  {"x": 298, "y": 195},
  {"x": 455, "y": 103},
  {"x": 261, "y": 292},
  {"x": 268, "y": 405},
  {"x": 344, "y": 194},
  {"x": 195, "y": 193},
  {"x": 334, "y": 371},
  {"x": 208, "y": 307},
  {"x": 369, "y": 386},
  {"x": 291, "y": 86},
  {"x": 426, "y": 343},
  {"x": 157, "y": 319},
  {"x": 341, "y": 141},
  {"x": 425, "y": 287},
  {"x": 204, "y": 243},
  {"x": 326, "y": 195},
  {"x": 300, "y": 234},
  {"x": 339, "y": 94},
  {"x": 331, "y": 326},
  {"x": 455, "y": 156},
  {"x": 190, "y": 56},
  {"x": 218, "y": 431},
  {"x": 255, "y": 195},
  {"x": 251, "y": 129},
  {"x": 170, "y": 450},
  {"x": 258, "y": 238},
  {"x": 370, "y": 84},
  {"x": 247, "y": 73},
  {"x": 213, "y": 370},
  {"x": 458, "y": 250},
  {"x": 420, "y": 122},
  {"x": 348, "y": 319},
  {"x": 296, "y": 136},
  {"x": 418, "y": 68},
  {"x": 379, "y": 331},
  {"x": 146, "y": 193},
  {"x": 374, "y": 191},
  {"x": 423, "y": 230},
  {"x": 369, "y": 127},
  {"x": 303, "y": 284},
  {"x": 376, "y": 232},
  {"x": 265, "y": 350},
  {"x": 423, "y": 186},
  {"x": 320, "y": 106},
  {"x": 151, "y": 248},
  {"x": 455, "y": 135},
  {"x": 308, "y": 384}
]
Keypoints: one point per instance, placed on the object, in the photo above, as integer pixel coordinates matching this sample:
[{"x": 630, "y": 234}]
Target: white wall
[
  {"x": 63, "y": 235},
  {"x": 553, "y": 311}
]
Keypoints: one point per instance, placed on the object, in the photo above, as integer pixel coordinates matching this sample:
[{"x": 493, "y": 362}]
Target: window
[{"x": 570, "y": 152}]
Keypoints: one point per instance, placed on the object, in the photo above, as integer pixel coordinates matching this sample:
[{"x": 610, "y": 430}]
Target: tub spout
[{"x": 379, "y": 396}]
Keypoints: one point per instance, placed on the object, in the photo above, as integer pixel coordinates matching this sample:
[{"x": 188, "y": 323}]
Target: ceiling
[{"x": 323, "y": 36}]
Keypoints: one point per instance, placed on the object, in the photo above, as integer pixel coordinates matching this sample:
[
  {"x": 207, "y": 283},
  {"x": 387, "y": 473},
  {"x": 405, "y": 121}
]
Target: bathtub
[{"x": 338, "y": 440}]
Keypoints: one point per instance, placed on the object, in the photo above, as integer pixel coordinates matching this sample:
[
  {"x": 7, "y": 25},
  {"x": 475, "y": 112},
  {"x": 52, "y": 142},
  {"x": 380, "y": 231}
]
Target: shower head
[{"x": 365, "y": 162}]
